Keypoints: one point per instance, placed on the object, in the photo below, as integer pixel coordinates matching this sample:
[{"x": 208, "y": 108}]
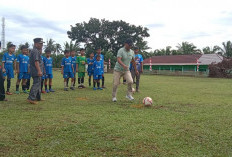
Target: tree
[
  {"x": 208, "y": 50},
  {"x": 110, "y": 36},
  {"x": 227, "y": 49},
  {"x": 71, "y": 46},
  {"x": 187, "y": 48}
]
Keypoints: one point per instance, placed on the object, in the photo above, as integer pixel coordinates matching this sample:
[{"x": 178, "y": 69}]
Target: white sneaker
[
  {"x": 114, "y": 99},
  {"x": 130, "y": 97}
]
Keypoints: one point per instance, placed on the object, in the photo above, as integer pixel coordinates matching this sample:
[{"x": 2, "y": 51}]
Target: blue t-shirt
[
  {"x": 67, "y": 64},
  {"x": 8, "y": 59},
  {"x": 138, "y": 61},
  {"x": 98, "y": 67},
  {"x": 90, "y": 66},
  {"x": 23, "y": 61},
  {"x": 101, "y": 57},
  {"x": 48, "y": 64},
  {"x": 74, "y": 62}
]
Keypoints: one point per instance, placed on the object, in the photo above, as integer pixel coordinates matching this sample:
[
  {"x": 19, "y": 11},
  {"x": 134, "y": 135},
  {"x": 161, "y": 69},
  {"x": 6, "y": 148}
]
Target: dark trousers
[
  {"x": 135, "y": 78},
  {"x": 2, "y": 89},
  {"x": 35, "y": 92}
]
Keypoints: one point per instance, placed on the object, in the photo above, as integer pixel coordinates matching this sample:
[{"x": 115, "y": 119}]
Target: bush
[{"x": 221, "y": 70}]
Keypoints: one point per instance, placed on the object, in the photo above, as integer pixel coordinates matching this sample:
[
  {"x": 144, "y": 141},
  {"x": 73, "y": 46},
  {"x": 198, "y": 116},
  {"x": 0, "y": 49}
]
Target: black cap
[
  {"x": 11, "y": 45},
  {"x": 82, "y": 49},
  {"x": 129, "y": 42},
  {"x": 23, "y": 47},
  {"x": 47, "y": 50},
  {"x": 38, "y": 40}
]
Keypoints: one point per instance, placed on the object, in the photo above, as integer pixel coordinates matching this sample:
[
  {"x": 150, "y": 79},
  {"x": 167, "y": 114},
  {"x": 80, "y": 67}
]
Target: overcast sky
[{"x": 202, "y": 22}]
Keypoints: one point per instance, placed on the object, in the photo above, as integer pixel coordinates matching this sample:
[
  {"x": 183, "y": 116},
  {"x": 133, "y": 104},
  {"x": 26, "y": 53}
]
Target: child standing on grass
[
  {"x": 74, "y": 64},
  {"x": 98, "y": 50},
  {"x": 90, "y": 61},
  {"x": 43, "y": 76},
  {"x": 67, "y": 70},
  {"x": 48, "y": 68},
  {"x": 98, "y": 70},
  {"x": 22, "y": 69},
  {"x": 81, "y": 61},
  {"x": 8, "y": 62}
]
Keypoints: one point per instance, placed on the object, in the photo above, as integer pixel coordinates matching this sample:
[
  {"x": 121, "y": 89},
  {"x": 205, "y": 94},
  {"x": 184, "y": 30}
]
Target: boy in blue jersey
[
  {"x": 74, "y": 64},
  {"x": 139, "y": 66},
  {"x": 90, "y": 62},
  {"x": 98, "y": 50},
  {"x": 8, "y": 62},
  {"x": 22, "y": 69},
  {"x": 97, "y": 74},
  {"x": 43, "y": 76},
  {"x": 48, "y": 68},
  {"x": 67, "y": 70}
]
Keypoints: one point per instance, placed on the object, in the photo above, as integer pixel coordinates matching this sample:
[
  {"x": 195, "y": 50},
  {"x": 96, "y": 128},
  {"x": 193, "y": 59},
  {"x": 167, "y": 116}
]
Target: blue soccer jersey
[
  {"x": 67, "y": 64},
  {"x": 74, "y": 62},
  {"x": 23, "y": 61},
  {"x": 98, "y": 67},
  {"x": 48, "y": 65},
  {"x": 90, "y": 66},
  {"x": 138, "y": 61},
  {"x": 8, "y": 59},
  {"x": 101, "y": 57}
]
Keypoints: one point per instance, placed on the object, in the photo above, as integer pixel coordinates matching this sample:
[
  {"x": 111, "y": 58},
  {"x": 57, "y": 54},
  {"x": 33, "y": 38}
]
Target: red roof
[{"x": 173, "y": 59}]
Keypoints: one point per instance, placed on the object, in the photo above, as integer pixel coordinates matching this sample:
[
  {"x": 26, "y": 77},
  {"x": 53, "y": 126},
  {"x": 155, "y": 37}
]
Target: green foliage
[
  {"x": 57, "y": 60},
  {"x": 185, "y": 120},
  {"x": 187, "y": 48},
  {"x": 110, "y": 36},
  {"x": 227, "y": 49},
  {"x": 71, "y": 46}
]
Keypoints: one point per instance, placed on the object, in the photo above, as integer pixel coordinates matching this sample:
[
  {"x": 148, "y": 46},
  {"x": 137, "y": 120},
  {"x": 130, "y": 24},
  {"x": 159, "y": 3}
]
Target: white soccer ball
[
  {"x": 133, "y": 90},
  {"x": 147, "y": 101}
]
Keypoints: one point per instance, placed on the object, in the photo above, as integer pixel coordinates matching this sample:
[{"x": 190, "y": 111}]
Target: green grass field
[{"x": 190, "y": 117}]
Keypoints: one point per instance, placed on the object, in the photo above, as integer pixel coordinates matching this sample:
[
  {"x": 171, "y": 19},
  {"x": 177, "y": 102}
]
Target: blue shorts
[
  {"x": 90, "y": 73},
  {"x": 49, "y": 76},
  {"x": 43, "y": 77},
  {"x": 23, "y": 75},
  {"x": 68, "y": 75},
  {"x": 97, "y": 77},
  {"x": 9, "y": 72}
]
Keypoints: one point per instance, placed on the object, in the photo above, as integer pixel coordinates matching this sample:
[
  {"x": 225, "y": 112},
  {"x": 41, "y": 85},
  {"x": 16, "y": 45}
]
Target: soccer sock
[
  {"x": 65, "y": 85},
  {"x": 46, "y": 87},
  {"x": 17, "y": 87},
  {"x": 67, "y": 81},
  {"x": 90, "y": 81},
  {"x": 79, "y": 80},
  {"x": 98, "y": 84},
  {"x": 72, "y": 84},
  {"x": 103, "y": 81},
  {"x": 82, "y": 80},
  {"x": 28, "y": 83},
  {"x": 94, "y": 84},
  {"x": 24, "y": 87},
  {"x": 8, "y": 84},
  {"x": 50, "y": 87}
]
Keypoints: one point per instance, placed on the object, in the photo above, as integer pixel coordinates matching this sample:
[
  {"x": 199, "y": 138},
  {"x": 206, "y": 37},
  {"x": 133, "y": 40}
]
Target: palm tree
[
  {"x": 58, "y": 48},
  {"x": 187, "y": 48},
  {"x": 71, "y": 46},
  {"x": 227, "y": 49}
]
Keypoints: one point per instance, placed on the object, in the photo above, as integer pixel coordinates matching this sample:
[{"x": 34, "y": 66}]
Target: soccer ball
[
  {"x": 133, "y": 90},
  {"x": 147, "y": 101}
]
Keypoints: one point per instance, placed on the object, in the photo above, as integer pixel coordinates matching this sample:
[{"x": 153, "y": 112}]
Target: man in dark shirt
[{"x": 36, "y": 65}]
